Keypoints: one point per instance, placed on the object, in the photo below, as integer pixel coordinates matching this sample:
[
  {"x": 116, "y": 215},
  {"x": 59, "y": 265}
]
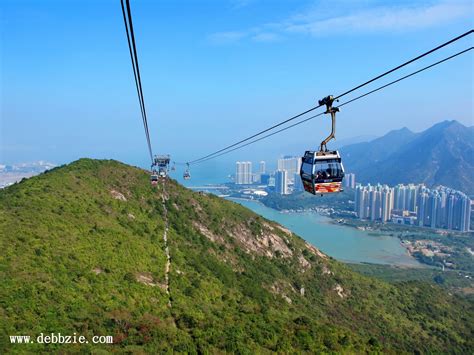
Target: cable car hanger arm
[{"x": 328, "y": 101}]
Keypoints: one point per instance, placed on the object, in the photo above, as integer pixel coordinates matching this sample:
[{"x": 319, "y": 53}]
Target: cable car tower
[{"x": 322, "y": 171}]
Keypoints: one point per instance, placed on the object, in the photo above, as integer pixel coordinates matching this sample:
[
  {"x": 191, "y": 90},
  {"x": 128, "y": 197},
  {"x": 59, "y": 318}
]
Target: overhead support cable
[
  {"x": 218, "y": 152},
  {"x": 343, "y": 104},
  {"x": 127, "y": 18},
  {"x": 406, "y": 63}
]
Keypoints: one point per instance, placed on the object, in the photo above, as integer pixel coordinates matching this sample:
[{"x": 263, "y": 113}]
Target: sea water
[{"x": 344, "y": 243}]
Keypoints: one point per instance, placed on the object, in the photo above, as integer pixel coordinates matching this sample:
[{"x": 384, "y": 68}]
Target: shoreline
[{"x": 330, "y": 220}]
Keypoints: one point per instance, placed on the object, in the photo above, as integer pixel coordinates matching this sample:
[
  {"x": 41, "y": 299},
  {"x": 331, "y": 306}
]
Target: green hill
[{"x": 82, "y": 251}]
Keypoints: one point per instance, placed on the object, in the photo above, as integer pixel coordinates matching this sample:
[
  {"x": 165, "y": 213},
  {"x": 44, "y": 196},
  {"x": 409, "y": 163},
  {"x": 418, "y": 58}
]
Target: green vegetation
[
  {"x": 82, "y": 252},
  {"x": 449, "y": 279},
  {"x": 303, "y": 201},
  {"x": 450, "y": 248},
  {"x": 455, "y": 246}
]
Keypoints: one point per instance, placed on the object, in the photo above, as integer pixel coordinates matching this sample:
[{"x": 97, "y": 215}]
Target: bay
[{"x": 341, "y": 242}]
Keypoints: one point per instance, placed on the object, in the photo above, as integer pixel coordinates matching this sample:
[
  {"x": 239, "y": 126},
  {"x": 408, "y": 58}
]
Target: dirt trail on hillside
[{"x": 165, "y": 240}]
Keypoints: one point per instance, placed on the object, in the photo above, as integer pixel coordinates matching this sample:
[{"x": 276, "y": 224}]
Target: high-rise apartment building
[
  {"x": 265, "y": 179},
  {"x": 387, "y": 203},
  {"x": 290, "y": 164},
  {"x": 441, "y": 207},
  {"x": 361, "y": 205},
  {"x": 243, "y": 173},
  {"x": 297, "y": 183},
  {"x": 350, "y": 181},
  {"x": 281, "y": 182}
]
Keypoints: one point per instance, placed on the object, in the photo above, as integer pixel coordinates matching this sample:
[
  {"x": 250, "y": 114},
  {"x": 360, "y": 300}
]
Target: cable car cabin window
[
  {"x": 307, "y": 169},
  {"x": 328, "y": 170}
]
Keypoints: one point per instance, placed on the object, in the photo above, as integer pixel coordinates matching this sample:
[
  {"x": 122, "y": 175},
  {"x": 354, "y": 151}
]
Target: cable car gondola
[
  {"x": 187, "y": 174},
  {"x": 322, "y": 171},
  {"x": 153, "y": 177},
  {"x": 162, "y": 172}
]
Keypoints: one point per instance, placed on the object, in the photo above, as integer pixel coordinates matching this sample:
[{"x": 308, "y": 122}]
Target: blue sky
[{"x": 216, "y": 71}]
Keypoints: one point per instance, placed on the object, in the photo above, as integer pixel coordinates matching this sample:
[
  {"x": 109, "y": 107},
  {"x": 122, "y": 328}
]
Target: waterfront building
[
  {"x": 297, "y": 183},
  {"x": 434, "y": 197},
  {"x": 400, "y": 193},
  {"x": 255, "y": 178},
  {"x": 262, "y": 167},
  {"x": 465, "y": 216},
  {"x": 291, "y": 164},
  {"x": 361, "y": 206},
  {"x": 243, "y": 173},
  {"x": 281, "y": 182},
  {"x": 411, "y": 193},
  {"x": 440, "y": 207},
  {"x": 387, "y": 203},
  {"x": 375, "y": 204},
  {"x": 271, "y": 181},
  {"x": 238, "y": 173},
  {"x": 350, "y": 181},
  {"x": 265, "y": 179},
  {"x": 422, "y": 204}
]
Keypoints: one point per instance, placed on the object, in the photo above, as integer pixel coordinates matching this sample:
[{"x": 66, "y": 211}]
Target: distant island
[{"x": 9, "y": 174}]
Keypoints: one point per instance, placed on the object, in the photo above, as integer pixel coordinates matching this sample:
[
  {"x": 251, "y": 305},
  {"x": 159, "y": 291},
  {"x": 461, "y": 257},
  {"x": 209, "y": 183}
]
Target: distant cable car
[
  {"x": 322, "y": 171},
  {"x": 162, "y": 172},
  {"x": 153, "y": 177},
  {"x": 187, "y": 173},
  {"x": 173, "y": 167}
]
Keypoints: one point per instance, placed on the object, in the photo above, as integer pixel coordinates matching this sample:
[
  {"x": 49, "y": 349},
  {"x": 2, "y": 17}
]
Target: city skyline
[{"x": 438, "y": 208}]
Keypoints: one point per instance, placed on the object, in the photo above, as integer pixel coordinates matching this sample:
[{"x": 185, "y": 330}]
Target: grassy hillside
[{"x": 82, "y": 251}]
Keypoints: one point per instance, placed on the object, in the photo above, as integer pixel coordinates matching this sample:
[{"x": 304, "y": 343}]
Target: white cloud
[
  {"x": 226, "y": 37},
  {"x": 266, "y": 37},
  {"x": 320, "y": 20},
  {"x": 382, "y": 19}
]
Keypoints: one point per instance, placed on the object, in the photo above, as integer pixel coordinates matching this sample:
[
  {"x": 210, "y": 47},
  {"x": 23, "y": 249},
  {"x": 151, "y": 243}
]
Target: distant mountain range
[
  {"x": 34, "y": 167},
  {"x": 440, "y": 155},
  {"x": 9, "y": 174}
]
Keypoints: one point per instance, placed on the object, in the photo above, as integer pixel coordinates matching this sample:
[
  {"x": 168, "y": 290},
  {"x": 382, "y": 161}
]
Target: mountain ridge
[
  {"x": 82, "y": 251},
  {"x": 441, "y": 155}
]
